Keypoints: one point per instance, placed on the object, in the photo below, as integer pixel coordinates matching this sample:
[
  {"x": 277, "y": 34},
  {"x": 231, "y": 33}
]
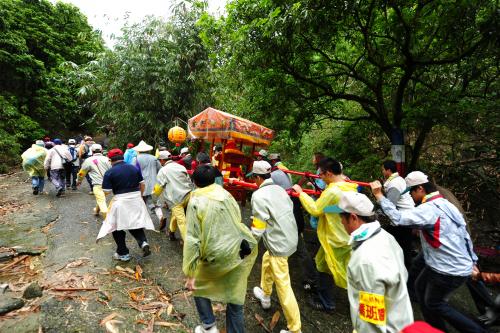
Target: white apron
[{"x": 128, "y": 211}]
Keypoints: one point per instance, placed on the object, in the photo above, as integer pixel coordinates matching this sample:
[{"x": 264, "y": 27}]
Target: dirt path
[
  {"x": 72, "y": 259},
  {"x": 144, "y": 295}
]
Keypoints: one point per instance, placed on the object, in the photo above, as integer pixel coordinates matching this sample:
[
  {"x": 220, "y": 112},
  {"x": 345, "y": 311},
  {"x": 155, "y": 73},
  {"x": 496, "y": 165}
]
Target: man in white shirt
[
  {"x": 55, "y": 160},
  {"x": 174, "y": 184},
  {"x": 96, "y": 166},
  {"x": 395, "y": 191}
]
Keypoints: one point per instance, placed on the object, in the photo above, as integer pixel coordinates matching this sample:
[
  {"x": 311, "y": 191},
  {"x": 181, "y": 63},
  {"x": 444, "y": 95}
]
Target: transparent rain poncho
[
  {"x": 334, "y": 253},
  {"x": 33, "y": 159},
  {"x": 212, "y": 246}
]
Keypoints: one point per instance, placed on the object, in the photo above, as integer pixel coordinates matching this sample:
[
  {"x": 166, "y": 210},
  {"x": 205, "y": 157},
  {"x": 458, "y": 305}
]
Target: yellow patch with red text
[{"x": 372, "y": 308}]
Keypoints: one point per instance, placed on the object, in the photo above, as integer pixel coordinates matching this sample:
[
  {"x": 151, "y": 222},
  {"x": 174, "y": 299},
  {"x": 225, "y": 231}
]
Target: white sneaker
[
  {"x": 200, "y": 329},
  {"x": 145, "y": 249},
  {"x": 287, "y": 331},
  {"x": 125, "y": 257},
  {"x": 265, "y": 301}
]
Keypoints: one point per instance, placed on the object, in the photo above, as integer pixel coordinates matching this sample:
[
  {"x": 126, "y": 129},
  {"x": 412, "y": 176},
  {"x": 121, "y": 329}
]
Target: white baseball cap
[
  {"x": 164, "y": 155},
  {"x": 263, "y": 152},
  {"x": 260, "y": 168},
  {"x": 356, "y": 203},
  {"x": 185, "y": 150},
  {"x": 274, "y": 156},
  {"x": 95, "y": 147},
  {"x": 416, "y": 178},
  {"x": 71, "y": 141}
]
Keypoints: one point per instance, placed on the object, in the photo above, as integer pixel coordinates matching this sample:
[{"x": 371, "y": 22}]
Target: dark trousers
[
  {"x": 309, "y": 272},
  {"x": 416, "y": 267},
  {"x": 433, "y": 291},
  {"x": 71, "y": 174},
  {"x": 325, "y": 290},
  {"x": 234, "y": 315},
  {"x": 298, "y": 214},
  {"x": 120, "y": 236},
  {"x": 481, "y": 295},
  {"x": 89, "y": 180}
]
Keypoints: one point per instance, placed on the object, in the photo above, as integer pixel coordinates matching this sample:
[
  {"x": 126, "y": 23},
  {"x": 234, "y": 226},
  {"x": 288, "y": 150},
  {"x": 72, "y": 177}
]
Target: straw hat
[{"x": 142, "y": 147}]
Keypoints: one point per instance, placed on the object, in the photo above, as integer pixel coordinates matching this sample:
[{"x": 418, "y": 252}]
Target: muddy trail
[{"x": 55, "y": 278}]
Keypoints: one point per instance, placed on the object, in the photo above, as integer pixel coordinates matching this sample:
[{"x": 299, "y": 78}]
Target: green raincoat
[
  {"x": 33, "y": 159},
  {"x": 212, "y": 245}
]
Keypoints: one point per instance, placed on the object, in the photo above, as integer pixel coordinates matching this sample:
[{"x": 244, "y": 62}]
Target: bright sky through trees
[{"x": 109, "y": 16}]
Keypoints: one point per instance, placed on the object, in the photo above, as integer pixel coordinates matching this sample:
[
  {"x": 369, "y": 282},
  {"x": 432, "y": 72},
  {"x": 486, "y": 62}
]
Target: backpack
[
  {"x": 73, "y": 152},
  {"x": 86, "y": 151}
]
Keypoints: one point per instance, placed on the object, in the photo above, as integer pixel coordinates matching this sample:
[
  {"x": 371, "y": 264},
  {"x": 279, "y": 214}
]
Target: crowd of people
[{"x": 376, "y": 264}]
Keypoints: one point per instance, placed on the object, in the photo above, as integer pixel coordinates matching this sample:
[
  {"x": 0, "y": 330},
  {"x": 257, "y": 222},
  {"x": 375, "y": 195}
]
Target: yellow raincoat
[
  {"x": 212, "y": 245},
  {"x": 334, "y": 253},
  {"x": 33, "y": 159}
]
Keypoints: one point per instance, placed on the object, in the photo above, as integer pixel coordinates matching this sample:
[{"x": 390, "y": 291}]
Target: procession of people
[{"x": 369, "y": 259}]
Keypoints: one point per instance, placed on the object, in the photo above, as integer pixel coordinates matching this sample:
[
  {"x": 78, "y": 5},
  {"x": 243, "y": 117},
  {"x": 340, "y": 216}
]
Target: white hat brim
[{"x": 142, "y": 147}]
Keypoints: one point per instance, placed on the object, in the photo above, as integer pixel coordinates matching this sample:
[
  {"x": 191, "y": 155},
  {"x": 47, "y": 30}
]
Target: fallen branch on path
[
  {"x": 13, "y": 263},
  {"x": 74, "y": 289},
  {"x": 260, "y": 320}
]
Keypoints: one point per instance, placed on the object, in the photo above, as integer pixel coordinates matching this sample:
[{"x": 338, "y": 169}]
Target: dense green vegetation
[
  {"x": 334, "y": 76},
  {"x": 399, "y": 65},
  {"x": 156, "y": 72},
  {"x": 35, "y": 38}
]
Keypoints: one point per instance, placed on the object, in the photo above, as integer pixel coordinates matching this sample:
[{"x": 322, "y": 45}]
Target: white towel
[{"x": 128, "y": 211}]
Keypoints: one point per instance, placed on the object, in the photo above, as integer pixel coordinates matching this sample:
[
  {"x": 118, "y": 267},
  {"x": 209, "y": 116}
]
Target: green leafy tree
[
  {"x": 400, "y": 64},
  {"x": 35, "y": 38},
  {"x": 158, "y": 71}
]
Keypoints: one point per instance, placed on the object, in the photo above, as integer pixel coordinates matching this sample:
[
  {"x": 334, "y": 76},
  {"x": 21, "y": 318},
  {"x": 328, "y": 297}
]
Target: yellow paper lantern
[{"x": 177, "y": 134}]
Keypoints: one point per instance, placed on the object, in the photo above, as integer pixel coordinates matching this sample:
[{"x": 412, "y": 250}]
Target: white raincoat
[{"x": 377, "y": 276}]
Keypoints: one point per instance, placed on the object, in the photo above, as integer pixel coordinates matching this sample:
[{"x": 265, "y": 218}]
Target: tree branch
[
  {"x": 452, "y": 60},
  {"x": 328, "y": 89},
  {"x": 419, "y": 143},
  {"x": 352, "y": 69}
]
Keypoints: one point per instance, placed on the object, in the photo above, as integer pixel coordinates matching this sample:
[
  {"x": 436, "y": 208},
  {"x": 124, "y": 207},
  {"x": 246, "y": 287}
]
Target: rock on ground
[{"x": 8, "y": 304}]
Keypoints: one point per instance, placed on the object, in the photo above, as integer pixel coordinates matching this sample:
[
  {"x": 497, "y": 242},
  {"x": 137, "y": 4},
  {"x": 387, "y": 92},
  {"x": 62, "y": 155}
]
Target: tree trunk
[
  {"x": 398, "y": 150},
  {"x": 419, "y": 143}
]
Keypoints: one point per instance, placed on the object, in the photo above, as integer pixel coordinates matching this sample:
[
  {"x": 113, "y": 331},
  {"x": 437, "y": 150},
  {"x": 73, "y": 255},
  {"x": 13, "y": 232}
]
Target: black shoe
[
  {"x": 317, "y": 305},
  {"x": 146, "y": 251},
  {"x": 309, "y": 286},
  {"x": 73, "y": 188},
  {"x": 59, "y": 193},
  {"x": 163, "y": 223},
  {"x": 171, "y": 236},
  {"x": 35, "y": 191}
]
